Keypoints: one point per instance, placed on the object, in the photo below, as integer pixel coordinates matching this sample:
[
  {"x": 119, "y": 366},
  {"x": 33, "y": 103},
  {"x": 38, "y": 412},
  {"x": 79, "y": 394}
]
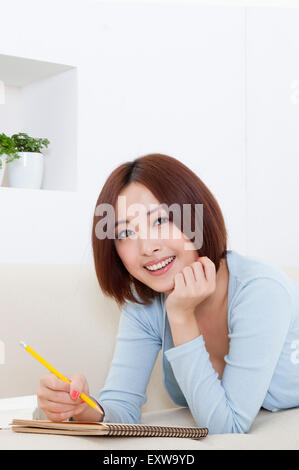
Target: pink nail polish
[{"x": 75, "y": 394}]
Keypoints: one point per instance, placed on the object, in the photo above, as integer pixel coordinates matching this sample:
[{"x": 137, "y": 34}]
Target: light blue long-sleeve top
[{"x": 262, "y": 366}]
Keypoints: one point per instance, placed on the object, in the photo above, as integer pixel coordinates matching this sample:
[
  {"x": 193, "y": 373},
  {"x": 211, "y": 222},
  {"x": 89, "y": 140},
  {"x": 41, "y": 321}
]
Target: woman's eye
[
  {"x": 120, "y": 237},
  {"x": 123, "y": 231},
  {"x": 162, "y": 218}
]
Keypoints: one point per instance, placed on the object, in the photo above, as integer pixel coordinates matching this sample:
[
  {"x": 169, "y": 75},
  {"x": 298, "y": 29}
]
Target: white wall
[
  {"x": 54, "y": 100},
  {"x": 272, "y": 122},
  {"x": 10, "y": 115},
  {"x": 196, "y": 82}
]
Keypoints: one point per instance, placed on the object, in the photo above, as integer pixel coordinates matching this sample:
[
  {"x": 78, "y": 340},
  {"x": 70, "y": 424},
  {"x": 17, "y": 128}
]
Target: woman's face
[{"x": 149, "y": 239}]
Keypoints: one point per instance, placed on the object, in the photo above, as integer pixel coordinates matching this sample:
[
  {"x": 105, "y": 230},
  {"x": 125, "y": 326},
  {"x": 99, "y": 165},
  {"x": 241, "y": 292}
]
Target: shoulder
[
  {"x": 262, "y": 301},
  {"x": 262, "y": 292},
  {"x": 249, "y": 268}
]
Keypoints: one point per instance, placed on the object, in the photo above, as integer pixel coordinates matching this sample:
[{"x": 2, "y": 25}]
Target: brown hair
[{"x": 170, "y": 181}]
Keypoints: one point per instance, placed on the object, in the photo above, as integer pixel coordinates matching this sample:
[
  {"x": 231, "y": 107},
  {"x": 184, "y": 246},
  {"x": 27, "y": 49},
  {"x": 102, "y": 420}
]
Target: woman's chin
[
  {"x": 163, "y": 290},
  {"x": 160, "y": 286}
]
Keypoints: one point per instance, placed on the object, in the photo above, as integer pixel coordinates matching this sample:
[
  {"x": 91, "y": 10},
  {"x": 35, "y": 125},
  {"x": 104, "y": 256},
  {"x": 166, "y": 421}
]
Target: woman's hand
[
  {"x": 61, "y": 400},
  {"x": 191, "y": 287}
]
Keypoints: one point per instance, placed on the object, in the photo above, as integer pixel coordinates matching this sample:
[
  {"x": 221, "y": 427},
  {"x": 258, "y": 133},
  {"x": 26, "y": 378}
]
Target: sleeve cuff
[
  {"x": 99, "y": 406},
  {"x": 186, "y": 348},
  {"x": 72, "y": 419}
]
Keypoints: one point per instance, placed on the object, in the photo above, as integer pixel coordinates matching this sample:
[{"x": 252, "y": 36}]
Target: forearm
[
  {"x": 184, "y": 327},
  {"x": 195, "y": 375},
  {"x": 201, "y": 387}
]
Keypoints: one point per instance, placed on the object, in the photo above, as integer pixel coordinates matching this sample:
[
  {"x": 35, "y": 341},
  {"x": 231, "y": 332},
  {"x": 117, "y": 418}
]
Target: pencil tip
[{"x": 23, "y": 344}]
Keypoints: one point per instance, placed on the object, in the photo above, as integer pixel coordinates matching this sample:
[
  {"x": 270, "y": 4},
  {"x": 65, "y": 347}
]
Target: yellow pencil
[{"x": 59, "y": 375}]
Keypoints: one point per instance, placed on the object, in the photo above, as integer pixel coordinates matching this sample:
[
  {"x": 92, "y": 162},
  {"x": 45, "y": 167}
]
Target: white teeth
[{"x": 154, "y": 267}]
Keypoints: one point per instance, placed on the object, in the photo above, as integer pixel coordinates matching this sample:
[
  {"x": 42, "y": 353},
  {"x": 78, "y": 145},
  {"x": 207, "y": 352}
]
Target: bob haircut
[{"x": 170, "y": 181}]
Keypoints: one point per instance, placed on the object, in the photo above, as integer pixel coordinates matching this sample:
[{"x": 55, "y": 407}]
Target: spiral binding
[{"x": 145, "y": 430}]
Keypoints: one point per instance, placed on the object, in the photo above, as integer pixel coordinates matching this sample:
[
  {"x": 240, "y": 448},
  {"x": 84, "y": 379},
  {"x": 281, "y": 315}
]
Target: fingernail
[
  {"x": 82, "y": 401},
  {"x": 75, "y": 394}
]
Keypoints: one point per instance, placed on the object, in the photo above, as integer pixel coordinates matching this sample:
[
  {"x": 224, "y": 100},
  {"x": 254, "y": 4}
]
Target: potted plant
[
  {"x": 8, "y": 153},
  {"x": 27, "y": 171}
]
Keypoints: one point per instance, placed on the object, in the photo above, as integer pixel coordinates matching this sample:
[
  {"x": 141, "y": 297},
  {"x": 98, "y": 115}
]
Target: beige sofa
[{"x": 60, "y": 311}]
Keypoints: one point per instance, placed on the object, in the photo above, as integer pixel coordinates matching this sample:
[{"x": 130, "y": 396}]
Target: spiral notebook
[{"x": 105, "y": 429}]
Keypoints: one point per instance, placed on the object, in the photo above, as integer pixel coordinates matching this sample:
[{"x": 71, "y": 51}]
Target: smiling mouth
[{"x": 162, "y": 268}]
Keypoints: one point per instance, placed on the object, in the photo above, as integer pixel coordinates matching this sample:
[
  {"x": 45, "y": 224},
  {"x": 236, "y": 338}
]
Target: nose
[{"x": 148, "y": 247}]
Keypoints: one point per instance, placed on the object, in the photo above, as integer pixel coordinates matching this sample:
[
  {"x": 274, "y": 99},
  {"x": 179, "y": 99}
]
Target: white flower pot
[
  {"x": 2, "y": 170},
  {"x": 27, "y": 171}
]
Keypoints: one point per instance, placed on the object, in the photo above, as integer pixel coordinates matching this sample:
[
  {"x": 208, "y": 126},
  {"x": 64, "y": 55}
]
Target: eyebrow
[{"x": 148, "y": 213}]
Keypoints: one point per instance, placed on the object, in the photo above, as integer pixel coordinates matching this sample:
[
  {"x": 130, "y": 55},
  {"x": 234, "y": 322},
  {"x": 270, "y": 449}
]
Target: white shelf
[
  {"x": 41, "y": 100},
  {"x": 23, "y": 191},
  {"x": 20, "y": 72}
]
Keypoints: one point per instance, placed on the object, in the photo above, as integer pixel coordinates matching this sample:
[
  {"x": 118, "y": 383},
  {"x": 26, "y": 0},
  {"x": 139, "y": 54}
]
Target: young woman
[{"x": 228, "y": 324}]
